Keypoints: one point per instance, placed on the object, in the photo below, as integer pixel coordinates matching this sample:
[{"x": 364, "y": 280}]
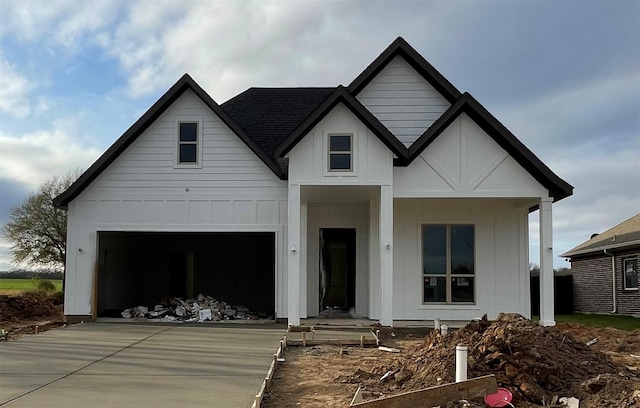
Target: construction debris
[
  {"x": 533, "y": 362},
  {"x": 434, "y": 396},
  {"x": 203, "y": 308}
]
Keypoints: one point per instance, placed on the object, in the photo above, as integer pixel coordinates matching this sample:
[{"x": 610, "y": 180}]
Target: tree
[{"x": 38, "y": 230}]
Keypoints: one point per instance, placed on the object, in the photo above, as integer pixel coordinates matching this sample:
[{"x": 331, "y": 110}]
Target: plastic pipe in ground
[
  {"x": 461, "y": 363},
  {"x": 436, "y": 323}
]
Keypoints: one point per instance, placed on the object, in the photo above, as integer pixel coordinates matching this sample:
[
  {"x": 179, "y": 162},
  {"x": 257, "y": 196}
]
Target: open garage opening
[{"x": 143, "y": 268}]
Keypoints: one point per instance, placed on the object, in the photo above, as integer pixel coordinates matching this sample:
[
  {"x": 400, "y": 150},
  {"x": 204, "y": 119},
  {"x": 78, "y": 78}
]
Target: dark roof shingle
[{"x": 269, "y": 115}]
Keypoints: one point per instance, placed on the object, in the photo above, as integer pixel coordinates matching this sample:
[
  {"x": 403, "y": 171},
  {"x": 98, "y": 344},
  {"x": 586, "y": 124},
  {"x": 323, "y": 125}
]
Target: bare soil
[
  {"x": 29, "y": 313},
  {"x": 535, "y": 363}
]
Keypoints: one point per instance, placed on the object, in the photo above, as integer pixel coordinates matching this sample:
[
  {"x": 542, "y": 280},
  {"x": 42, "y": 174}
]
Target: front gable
[
  {"x": 309, "y": 161},
  {"x": 403, "y": 100},
  {"x": 166, "y": 101},
  {"x": 464, "y": 161}
]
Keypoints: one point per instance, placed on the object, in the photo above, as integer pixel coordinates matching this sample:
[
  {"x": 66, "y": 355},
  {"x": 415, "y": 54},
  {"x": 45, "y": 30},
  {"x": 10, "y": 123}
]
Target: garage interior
[{"x": 143, "y": 268}]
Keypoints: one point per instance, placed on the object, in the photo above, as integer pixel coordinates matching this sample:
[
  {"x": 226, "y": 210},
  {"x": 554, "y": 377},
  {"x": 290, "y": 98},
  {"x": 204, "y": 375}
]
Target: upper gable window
[
  {"x": 189, "y": 143},
  {"x": 340, "y": 153}
]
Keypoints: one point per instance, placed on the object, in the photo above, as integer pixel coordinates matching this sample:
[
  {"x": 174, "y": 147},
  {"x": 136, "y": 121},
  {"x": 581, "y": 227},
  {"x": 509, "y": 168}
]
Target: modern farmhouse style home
[{"x": 397, "y": 197}]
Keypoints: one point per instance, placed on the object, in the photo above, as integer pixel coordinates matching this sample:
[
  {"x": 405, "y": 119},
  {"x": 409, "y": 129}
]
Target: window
[
  {"x": 630, "y": 273},
  {"x": 340, "y": 153},
  {"x": 448, "y": 264},
  {"x": 188, "y": 143}
]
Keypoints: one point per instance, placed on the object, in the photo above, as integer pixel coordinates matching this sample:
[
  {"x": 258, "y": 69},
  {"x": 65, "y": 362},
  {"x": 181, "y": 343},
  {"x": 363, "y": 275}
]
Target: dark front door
[{"x": 337, "y": 268}]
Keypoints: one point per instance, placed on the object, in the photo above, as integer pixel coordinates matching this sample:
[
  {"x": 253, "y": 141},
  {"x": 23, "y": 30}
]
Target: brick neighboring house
[{"x": 608, "y": 260}]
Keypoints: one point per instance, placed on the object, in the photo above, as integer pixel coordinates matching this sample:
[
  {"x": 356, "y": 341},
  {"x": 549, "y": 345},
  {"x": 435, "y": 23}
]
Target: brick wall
[
  {"x": 592, "y": 285},
  {"x": 628, "y": 300}
]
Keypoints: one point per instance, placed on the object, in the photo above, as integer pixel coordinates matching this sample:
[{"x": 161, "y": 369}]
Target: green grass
[
  {"x": 24, "y": 285},
  {"x": 601, "y": 320}
]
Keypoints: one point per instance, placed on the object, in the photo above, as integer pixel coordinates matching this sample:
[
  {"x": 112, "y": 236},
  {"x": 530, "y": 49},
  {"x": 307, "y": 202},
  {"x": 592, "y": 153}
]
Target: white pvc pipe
[
  {"x": 436, "y": 323},
  {"x": 443, "y": 329},
  {"x": 461, "y": 363}
]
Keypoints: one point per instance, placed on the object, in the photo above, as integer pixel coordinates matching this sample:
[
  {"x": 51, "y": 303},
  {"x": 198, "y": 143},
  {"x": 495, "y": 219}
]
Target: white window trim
[
  {"x": 327, "y": 156},
  {"x": 624, "y": 274},
  {"x": 199, "y": 142},
  {"x": 449, "y": 275}
]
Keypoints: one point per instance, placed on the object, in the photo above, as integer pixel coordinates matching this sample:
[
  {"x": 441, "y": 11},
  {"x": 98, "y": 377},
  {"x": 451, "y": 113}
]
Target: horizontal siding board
[
  {"x": 403, "y": 101},
  {"x": 148, "y": 165},
  {"x": 398, "y": 101}
]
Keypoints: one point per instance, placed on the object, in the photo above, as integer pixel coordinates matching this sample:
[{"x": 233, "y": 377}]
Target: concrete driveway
[{"x": 138, "y": 365}]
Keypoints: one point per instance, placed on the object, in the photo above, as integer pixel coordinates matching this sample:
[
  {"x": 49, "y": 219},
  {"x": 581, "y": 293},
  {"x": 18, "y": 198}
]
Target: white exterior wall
[
  {"x": 372, "y": 160},
  {"x": 143, "y": 190},
  {"x": 465, "y": 162},
  {"x": 373, "y": 167},
  {"x": 502, "y": 283},
  {"x": 403, "y": 100},
  {"x": 465, "y": 177}
]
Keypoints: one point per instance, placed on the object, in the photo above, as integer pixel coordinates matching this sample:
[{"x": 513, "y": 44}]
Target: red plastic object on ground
[{"x": 502, "y": 398}]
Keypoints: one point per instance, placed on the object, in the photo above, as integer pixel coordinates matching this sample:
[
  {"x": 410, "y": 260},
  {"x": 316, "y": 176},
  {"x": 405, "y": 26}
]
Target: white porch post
[
  {"x": 547, "y": 313},
  {"x": 386, "y": 255},
  {"x": 293, "y": 249}
]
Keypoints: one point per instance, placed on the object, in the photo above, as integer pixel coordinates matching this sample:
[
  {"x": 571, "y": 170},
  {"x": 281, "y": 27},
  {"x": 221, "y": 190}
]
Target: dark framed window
[
  {"x": 448, "y": 264},
  {"x": 340, "y": 153},
  {"x": 630, "y": 271},
  {"x": 188, "y": 143}
]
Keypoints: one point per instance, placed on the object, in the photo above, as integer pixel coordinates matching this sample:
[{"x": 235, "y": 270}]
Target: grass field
[
  {"x": 601, "y": 320},
  {"x": 16, "y": 286}
]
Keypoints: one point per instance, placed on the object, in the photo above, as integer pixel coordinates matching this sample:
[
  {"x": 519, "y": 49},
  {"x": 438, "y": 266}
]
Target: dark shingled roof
[{"x": 269, "y": 115}]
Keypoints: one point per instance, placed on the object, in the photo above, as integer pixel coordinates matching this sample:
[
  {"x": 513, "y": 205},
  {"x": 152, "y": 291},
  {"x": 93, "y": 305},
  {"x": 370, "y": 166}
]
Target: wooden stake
[
  {"x": 439, "y": 395},
  {"x": 357, "y": 398},
  {"x": 304, "y": 339}
]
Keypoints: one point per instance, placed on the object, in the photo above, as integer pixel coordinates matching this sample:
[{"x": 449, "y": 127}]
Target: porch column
[
  {"x": 547, "y": 316},
  {"x": 386, "y": 255},
  {"x": 293, "y": 249}
]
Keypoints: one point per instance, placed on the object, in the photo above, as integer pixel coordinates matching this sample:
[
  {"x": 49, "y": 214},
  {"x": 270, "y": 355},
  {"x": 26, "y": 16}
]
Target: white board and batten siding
[
  {"x": 403, "y": 101},
  {"x": 501, "y": 256},
  {"x": 372, "y": 161},
  {"x": 465, "y": 162},
  {"x": 465, "y": 177},
  {"x": 144, "y": 190}
]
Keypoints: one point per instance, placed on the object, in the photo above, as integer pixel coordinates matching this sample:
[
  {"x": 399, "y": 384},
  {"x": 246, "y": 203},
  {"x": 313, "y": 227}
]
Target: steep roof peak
[{"x": 402, "y": 48}]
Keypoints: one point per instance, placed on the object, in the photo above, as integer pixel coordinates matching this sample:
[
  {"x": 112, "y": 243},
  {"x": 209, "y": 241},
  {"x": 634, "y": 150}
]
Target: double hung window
[
  {"x": 188, "y": 143},
  {"x": 340, "y": 153}
]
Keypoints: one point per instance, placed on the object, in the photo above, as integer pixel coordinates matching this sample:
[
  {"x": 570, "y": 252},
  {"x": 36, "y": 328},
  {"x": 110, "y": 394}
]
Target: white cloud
[
  {"x": 32, "y": 158},
  {"x": 61, "y": 23},
  {"x": 14, "y": 90}
]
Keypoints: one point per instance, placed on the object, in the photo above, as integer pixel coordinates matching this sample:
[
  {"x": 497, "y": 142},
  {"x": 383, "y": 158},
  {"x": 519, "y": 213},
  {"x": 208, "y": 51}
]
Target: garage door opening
[{"x": 143, "y": 268}]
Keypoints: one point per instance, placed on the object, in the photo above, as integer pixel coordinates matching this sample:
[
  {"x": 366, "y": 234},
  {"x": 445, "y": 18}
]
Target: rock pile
[
  {"x": 202, "y": 308},
  {"x": 533, "y": 362}
]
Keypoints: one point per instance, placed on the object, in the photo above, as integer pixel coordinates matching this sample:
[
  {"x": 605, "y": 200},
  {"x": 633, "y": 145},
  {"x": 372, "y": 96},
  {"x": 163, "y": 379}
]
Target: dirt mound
[
  {"x": 28, "y": 306},
  {"x": 533, "y": 362}
]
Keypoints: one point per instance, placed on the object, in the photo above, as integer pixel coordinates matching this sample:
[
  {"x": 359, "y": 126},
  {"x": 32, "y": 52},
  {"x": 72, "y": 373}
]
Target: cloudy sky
[{"x": 563, "y": 76}]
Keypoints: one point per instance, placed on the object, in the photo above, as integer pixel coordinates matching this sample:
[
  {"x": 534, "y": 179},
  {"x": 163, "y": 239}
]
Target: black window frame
[
  {"x": 449, "y": 276},
  {"x": 339, "y": 153},
  {"x": 187, "y": 142}
]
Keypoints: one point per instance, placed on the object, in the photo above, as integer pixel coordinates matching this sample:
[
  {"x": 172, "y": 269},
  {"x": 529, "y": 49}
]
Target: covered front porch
[
  {"x": 340, "y": 251},
  {"x": 359, "y": 251}
]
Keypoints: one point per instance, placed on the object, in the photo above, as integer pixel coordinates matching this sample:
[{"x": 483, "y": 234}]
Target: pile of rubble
[
  {"x": 29, "y": 305},
  {"x": 535, "y": 363},
  {"x": 203, "y": 308}
]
